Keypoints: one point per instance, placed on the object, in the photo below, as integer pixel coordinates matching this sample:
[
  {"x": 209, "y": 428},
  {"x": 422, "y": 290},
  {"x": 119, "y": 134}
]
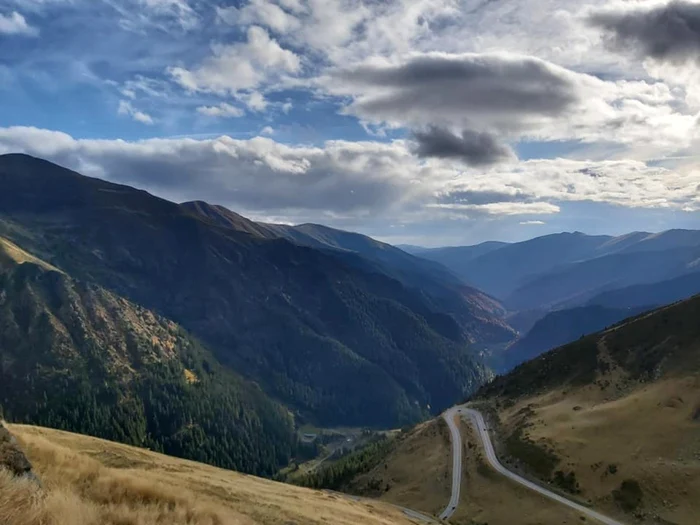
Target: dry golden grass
[
  {"x": 89, "y": 481},
  {"x": 12, "y": 254},
  {"x": 488, "y": 497},
  {"x": 417, "y": 471},
  {"x": 650, "y": 434}
]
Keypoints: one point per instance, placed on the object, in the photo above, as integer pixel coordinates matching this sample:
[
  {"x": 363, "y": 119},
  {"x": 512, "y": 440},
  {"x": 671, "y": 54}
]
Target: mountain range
[{"x": 336, "y": 327}]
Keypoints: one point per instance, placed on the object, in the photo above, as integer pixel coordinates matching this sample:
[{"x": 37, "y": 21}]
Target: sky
[{"x": 427, "y": 122}]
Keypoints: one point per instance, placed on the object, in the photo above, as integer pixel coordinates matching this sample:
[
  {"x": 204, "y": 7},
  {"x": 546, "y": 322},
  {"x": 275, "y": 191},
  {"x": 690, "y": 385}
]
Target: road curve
[
  {"x": 478, "y": 421},
  {"x": 449, "y": 417}
]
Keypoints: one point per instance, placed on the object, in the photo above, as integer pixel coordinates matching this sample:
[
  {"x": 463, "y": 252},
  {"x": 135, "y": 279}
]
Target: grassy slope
[
  {"x": 417, "y": 473},
  {"x": 620, "y": 405},
  {"x": 96, "y": 482}
]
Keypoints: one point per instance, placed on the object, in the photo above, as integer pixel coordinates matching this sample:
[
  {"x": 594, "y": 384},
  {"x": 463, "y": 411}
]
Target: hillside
[
  {"x": 76, "y": 356},
  {"x": 659, "y": 293},
  {"x": 305, "y": 324},
  {"x": 89, "y": 481},
  {"x": 561, "y": 327},
  {"x": 617, "y": 414},
  {"x": 577, "y": 283},
  {"x": 479, "y": 316}
]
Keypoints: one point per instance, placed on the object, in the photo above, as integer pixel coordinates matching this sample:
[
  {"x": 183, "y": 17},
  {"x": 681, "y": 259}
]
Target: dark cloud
[
  {"x": 489, "y": 91},
  {"x": 472, "y": 147},
  {"x": 669, "y": 32}
]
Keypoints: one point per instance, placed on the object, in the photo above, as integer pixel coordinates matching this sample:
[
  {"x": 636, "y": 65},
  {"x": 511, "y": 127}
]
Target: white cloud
[
  {"x": 178, "y": 10},
  {"x": 518, "y": 97},
  {"x": 223, "y": 110},
  {"x": 240, "y": 66},
  {"x": 254, "y": 100},
  {"x": 260, "y": 12},
  {"x": 15, "y": 24},
  {"x": 267, "y": 130},
  {"x": 361, "y": 180},
  {"x": 532, "y": 223},
  {"x": 126, "y": 108}
]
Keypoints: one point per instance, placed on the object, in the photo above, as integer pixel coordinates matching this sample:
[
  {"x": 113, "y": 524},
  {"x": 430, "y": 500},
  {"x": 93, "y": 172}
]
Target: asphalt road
[
  {"x": 449, "y": 416},
  {"x": 478, "y": 421}
]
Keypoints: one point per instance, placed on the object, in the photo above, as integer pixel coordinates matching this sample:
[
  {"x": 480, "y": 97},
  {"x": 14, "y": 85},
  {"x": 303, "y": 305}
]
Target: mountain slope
[
  {"x": 480, "y": 316},
  {"x": 514, "y": 273},
  {"x": 659, "y": 293},
  {"x": 561, "y": 327},
  {"x": 576, "y": 283},
  {"x": 88, "y": 481},
  {"x": 75, "y": 356},
  {"x": 337, "y": 343},
  {"x": 616, "y": 414}
]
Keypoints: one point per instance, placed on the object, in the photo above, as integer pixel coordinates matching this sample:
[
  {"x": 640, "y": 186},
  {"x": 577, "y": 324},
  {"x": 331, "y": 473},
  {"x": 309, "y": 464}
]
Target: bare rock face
[{"x": 11, "y": 456}]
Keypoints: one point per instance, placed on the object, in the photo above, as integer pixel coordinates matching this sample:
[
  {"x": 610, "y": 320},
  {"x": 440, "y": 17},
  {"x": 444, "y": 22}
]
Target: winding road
[{"x": 478, "y": 421}]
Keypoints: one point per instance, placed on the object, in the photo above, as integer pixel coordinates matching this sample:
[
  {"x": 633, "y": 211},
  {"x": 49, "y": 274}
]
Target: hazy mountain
[
  {"x": 502, "y": 269},
  {"x": 570, "y": 268},
  {"x": 659, "y": 293},
  {"x": 336, "y": 341},
  {"x": 561, "y": 327},
  {"x": 578, "y": 282},
  {"x": 75, "y": 356}
]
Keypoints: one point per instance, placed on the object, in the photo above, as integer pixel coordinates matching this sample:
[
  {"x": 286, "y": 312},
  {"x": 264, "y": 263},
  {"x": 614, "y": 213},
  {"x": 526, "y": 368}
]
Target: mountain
[
  {"x": 479, "y": 314},
  {"x": 76, "y": 356},
  {"x": 561, "y": 327},
  {"x": 613, "y": 418},
  {"x": 501, "y": 269},
  {"x": 576, "y": 283},
  {"x": 659, "y": 293},
  {"x": 335, "y": 341},
  {"x": 568, "y": 269},
  {"x": 455, "y": 257}
]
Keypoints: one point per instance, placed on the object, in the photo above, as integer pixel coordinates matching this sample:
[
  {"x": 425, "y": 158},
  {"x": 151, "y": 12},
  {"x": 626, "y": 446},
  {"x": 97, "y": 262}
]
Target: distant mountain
[
  {"x": 321, "y": 330},
  {"x": 501, "y": 269},
  {"x": 455, "y": 257},
  {"x": 658, "y": 293},
  {"x": 562, "y": 327},
  {"x": 568, "y": 269},
  {"x": 411, "y": 248},
  {"x": 76, "y": 356},
  {"x": 577, "y": 283}
]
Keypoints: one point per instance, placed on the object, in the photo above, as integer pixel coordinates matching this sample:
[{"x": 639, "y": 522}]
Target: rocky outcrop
[{"x": 11, "y": 456}]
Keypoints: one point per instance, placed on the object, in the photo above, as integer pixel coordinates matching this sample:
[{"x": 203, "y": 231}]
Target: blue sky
[{"x": 416, "y": 121}]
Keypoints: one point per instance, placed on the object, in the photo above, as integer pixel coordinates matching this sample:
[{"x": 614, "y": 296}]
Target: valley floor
[{"x": 88, "y": 481}]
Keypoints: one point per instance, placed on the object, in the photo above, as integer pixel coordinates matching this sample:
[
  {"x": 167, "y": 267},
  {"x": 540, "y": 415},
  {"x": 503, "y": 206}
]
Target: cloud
[
  {"x": 367, "y": 181},
  {"x": 267, "y": 130},
  {"x": 254, "y": 100},
  {"x": 472, "y": 147},
  {"x": 667, "y": 32},
  {"x": 126, "y": 108},
  {"x": 532, "y": 223},
  {"x": 259, "y": 12},
  {"x": 514, "y": 98},
  {"x": 240, "y": 66},
  {"x": 223, "y": 110},
  {"x": 494, "y": 91},
  {"x": 16, "y": 24},
  {"x": 177, "y": 10}
]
